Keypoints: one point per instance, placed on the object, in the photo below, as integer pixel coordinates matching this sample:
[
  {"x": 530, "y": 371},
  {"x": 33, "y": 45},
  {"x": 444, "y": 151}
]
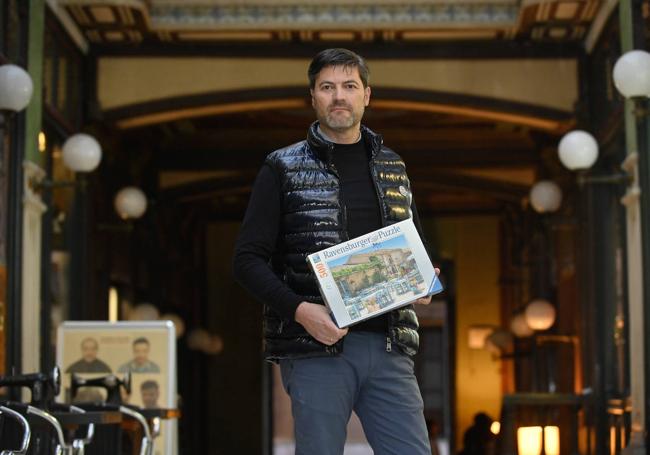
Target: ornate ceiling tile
[
  {"x": 120, "y": 22},
  {"x": 326, "y": 15}
]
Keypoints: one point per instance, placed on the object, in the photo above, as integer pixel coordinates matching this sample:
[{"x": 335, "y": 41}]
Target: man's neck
[{"x": 350, "y": 136}]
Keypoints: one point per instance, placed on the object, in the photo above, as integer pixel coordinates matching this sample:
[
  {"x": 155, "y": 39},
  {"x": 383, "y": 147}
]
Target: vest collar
[{"x": 323, "y": 148}]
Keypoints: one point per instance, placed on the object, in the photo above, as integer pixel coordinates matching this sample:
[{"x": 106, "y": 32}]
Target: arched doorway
[{"x": 471, "y": 161}]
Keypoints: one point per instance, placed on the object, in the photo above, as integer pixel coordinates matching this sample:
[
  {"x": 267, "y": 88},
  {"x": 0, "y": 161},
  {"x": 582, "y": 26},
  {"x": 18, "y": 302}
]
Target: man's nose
[{"x": 338, "y": 93}]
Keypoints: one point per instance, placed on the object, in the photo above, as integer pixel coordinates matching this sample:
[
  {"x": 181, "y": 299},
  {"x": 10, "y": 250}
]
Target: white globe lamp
[
  {"x": 81, "y": 153},
  {"x": 214, "y": 345},
  {"x": 519, "y": 327},
  {"x": 198, "y": 339},
  {"x": 540, "y": 314},
  {"x": 144, "y": 312},
  {"x": 130, "y": 202},
  {"x": 578, "y": 150},
  {"x": 632, "y": 74},
  {"x": 16, "y": 88},
  {"x": 545, "y": 196}
]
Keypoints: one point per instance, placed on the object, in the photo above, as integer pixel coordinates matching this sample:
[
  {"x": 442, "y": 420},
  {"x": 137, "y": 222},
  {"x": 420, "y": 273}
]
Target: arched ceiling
[
  {"x": 457, "y": 164},
  {"x": 462, "y": 157}
]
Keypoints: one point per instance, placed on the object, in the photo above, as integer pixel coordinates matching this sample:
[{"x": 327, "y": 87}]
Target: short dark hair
[
  {"x": 150, "y": 384},
  {"x": 93, "y": 340},
  {"x": 337, "y": 57},
  {"x": 141, "y": 340}
]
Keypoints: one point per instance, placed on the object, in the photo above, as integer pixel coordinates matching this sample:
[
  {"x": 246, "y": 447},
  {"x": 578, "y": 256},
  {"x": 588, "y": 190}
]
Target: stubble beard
[{"x": 337, "y": 122}]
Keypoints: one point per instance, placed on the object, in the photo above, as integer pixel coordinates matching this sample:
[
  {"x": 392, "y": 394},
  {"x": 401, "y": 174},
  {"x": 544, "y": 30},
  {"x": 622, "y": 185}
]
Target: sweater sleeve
[{"x": 255, "y": 245}]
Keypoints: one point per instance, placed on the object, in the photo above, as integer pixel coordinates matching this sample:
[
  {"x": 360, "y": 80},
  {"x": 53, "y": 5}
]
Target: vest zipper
[{"x": 389, "y": 346}]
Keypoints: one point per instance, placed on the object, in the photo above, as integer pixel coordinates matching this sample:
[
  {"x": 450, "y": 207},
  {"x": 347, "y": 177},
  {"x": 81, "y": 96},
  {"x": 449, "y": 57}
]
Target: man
[
  {"x": 89, "y": 363},
  {"x": 150, "y": 392},
  {"x": 338, "y": 184},
  {"x": 140, "y": 362}
]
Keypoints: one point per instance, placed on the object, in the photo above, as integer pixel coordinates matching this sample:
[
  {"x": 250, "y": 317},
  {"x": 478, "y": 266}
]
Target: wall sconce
[
  {"x": 545, "y": 196},
  {"x": 81, "y": 153},
  {"x": 130, "y": 202},
  {"x": 578, "y": 151},
  {"x": 144, "y": 312},
  {"x": 519, "y": 326},
  {"x": 16, "y": 88},
  {"x": 632, "y": 74},
  {"x": 540, "y": 314},
  {"x": 202, "y": 340}
]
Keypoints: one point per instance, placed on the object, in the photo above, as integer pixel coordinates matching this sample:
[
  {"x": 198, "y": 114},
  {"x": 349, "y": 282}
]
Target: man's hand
[
  {"x": 317, "y": 322},
  {"x": 426, "y": 299}
]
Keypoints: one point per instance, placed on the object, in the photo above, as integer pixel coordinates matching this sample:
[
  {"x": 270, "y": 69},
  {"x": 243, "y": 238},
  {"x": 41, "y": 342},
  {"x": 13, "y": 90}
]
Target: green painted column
[
  {"x": 637, "y": 238},
  {"x": 35, "y": 68}
]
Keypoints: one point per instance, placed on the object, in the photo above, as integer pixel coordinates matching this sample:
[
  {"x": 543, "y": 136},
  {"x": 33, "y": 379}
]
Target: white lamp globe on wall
[
  {"x": 144, "y": 312},
  {"x": 519, "y": 327},
  {"x": 578, "y": 150},
  {"x": 16, "y": 88},
  {"x": 130, "y": 202},
  {"x": 540, "y": 314},
  {"x": 82, "y": 153},
  {"x": 545, "y": 196},
  {"x": 632, "y": 74}
]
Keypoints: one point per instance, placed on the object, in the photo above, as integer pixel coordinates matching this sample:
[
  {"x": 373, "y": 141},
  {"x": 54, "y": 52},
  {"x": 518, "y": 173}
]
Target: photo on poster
[{"x": 144, "y": 349}]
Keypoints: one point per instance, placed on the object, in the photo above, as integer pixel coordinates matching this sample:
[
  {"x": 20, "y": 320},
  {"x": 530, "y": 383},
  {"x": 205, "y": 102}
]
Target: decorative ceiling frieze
[
  {"x": 129, "y": 22},
  {"x": 326, "y": 15}
]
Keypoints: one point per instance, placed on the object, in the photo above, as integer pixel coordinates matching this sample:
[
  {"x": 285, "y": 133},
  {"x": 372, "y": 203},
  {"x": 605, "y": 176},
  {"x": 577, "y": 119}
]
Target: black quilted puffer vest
[{"x": 313, "y": 218}]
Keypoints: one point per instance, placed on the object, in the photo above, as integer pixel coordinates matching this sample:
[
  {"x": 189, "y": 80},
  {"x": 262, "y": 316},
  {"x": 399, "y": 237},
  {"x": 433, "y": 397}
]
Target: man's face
[
  {"x": 89, "y": 350},
  {"x": 150, "y": 397},
  {"x": 141, "y": 353},
  {"x": 339, "y": 98}
]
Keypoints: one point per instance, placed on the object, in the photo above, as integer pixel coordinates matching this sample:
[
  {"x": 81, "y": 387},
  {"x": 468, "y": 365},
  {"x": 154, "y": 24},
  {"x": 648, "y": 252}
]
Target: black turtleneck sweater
[{"x": 260, "y": 229}]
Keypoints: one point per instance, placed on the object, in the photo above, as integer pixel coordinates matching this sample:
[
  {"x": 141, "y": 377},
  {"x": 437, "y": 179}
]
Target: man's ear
[
  {"x": 311, "y": 92},
  {"x": 366, "y": 97}
]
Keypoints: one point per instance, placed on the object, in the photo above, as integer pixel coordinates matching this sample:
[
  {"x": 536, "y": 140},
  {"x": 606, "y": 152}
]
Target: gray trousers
[{"x": 378, "y": 385}]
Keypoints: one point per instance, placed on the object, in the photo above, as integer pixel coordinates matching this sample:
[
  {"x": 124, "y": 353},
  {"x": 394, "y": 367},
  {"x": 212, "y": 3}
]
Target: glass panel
[
  {"x": 62, "y": 86},
  {"x": 62, "y": 75}
]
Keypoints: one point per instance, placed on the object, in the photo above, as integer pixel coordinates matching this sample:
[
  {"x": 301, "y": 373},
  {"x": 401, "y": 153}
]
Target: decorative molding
[
  {"x": 357, "y": 21},
  {"x": 69, "y": 25},
  {"x": 598, "y": 24},
  {"x": 309, "y": 16}
]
